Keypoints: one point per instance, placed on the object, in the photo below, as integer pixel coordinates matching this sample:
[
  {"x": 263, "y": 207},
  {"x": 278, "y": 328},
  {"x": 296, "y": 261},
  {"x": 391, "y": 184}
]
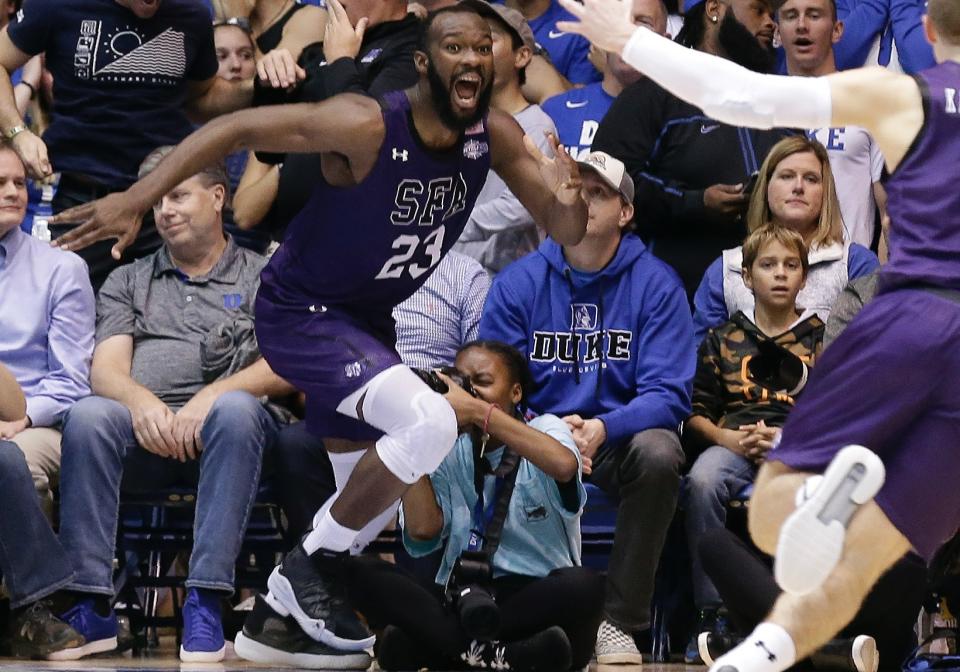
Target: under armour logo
[
  {"x": 399, "y": 154},
  {"x": 770, "y": 656}
]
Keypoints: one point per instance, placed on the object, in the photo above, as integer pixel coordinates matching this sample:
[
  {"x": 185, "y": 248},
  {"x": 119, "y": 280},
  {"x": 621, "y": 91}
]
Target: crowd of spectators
[{"x": 648, "y": 359}]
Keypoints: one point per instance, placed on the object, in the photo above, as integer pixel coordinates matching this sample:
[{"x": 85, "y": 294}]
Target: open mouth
[
  {"x": 466, "y": 89},
  {"x": 803, "y": 42}
]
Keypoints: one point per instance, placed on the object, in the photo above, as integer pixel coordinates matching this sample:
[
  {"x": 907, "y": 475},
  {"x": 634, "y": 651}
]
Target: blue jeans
[
  {"x": 32, "y": 562},
  {"x": 715, "y": 478},
  {"x": 101, "y": 457}
]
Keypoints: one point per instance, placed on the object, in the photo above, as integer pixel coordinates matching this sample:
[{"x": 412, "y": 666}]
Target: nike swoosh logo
[
  {"x": 572, "y": 105},
  {"x": 704, "y": 129},
  {"x": 555, "y": 34}
]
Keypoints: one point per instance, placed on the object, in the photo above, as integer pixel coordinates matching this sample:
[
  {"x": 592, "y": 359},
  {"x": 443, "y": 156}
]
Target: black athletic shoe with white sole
[
  {"x": 312, "y": 590},
  {"x": 267, "y": 637}
]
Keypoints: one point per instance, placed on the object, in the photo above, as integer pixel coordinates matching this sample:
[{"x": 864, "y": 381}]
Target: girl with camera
[{"x": 510, "y": 598}]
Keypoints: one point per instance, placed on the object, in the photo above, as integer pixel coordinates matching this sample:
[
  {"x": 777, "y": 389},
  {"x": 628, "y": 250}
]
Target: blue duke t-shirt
[
  {"x": 577, "y": 115},
  {"x": 120, "y": 82}
]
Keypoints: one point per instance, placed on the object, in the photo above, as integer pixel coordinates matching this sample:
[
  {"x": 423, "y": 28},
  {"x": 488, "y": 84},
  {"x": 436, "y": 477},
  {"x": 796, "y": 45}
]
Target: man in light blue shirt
[{"x": 47, "y": 312}]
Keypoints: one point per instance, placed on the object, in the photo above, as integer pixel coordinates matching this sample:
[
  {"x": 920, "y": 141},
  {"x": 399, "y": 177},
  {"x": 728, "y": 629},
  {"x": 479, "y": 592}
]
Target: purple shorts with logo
[
  {"x": 327, "y": 353},
  {"x": 890, "y": 383}
]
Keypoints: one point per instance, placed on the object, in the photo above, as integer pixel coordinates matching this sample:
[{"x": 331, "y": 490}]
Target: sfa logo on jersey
[{"x": 474, "y": 149}]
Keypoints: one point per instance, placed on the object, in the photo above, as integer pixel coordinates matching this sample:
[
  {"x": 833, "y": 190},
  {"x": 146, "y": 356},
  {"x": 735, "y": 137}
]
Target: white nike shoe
[{"x": 811, "y": 539}]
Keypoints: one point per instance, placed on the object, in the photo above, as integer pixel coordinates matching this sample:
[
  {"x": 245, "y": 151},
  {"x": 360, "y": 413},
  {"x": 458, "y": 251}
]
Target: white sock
[
  {"x": 769, "y": 648},
  {"x": 330, "y": 535},
  {"x": 343, "y": 466}
]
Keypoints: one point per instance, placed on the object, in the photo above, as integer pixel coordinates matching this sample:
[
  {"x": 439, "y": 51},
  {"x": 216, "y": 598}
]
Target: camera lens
[{"x": 479, "y": 614}]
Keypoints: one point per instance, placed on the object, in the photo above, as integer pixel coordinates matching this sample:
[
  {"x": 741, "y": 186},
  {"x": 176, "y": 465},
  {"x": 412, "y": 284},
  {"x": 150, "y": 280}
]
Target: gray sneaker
[{"x": 616, "y": 647}]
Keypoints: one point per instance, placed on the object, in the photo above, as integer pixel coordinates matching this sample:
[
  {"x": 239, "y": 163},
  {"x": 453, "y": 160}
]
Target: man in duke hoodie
[{"x": 608, "y": 334}]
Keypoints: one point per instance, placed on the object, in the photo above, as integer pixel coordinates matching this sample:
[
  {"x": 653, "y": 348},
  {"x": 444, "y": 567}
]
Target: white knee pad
[{"x": 420, "y": 426}]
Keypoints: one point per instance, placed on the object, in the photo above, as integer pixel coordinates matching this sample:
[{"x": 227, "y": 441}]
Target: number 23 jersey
[{"x": 368, "y": 247}]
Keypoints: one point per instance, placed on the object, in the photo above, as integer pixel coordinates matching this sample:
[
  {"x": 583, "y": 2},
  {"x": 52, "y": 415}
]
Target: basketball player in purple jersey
[
  {"x": 889, "y": 382},
  {"x": 399, "y": 180}
]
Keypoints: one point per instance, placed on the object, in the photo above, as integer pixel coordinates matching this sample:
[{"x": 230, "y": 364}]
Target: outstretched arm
[
  {"x": 548, "y": 188},
  {"x": 886, "y": 104},
  {"x": 350, "y": 125}
]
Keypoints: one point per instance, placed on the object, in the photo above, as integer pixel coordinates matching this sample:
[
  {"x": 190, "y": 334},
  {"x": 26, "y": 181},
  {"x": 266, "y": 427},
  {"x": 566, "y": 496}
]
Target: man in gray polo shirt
[{"x": 178, "y": 382}]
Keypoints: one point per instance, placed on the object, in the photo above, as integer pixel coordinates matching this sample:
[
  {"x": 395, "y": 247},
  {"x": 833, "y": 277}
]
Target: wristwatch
[{"x": 11, "y": 133}]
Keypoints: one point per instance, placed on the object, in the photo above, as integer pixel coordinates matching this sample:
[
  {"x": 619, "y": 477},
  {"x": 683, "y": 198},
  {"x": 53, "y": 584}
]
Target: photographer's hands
[{"x": 469, "y": 409}]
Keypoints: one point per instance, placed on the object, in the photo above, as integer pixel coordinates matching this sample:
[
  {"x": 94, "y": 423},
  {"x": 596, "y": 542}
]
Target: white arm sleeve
[{"x": 726, "y": 91}]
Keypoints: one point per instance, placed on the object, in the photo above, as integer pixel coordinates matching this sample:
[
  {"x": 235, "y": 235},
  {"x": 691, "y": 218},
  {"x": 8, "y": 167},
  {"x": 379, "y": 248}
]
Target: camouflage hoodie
[{"x": 723, "y": 394}]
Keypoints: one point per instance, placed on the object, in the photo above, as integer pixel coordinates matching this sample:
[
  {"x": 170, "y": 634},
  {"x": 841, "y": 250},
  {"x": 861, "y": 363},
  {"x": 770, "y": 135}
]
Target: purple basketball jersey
[
  {"x": 924, "y": 192},
  {"x": 367, "y": 248}
]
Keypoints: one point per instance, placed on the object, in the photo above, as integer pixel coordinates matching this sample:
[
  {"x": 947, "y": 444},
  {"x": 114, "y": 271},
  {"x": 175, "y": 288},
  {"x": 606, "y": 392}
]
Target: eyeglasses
[{"x": 241, "y": 22}]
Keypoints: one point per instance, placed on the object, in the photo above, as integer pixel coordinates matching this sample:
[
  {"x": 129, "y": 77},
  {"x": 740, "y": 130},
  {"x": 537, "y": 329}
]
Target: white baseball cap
[{"x": 613, "y": 172}]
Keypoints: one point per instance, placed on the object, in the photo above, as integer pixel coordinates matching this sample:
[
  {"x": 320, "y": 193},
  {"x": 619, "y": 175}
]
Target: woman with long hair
[{"x": 795, "y": 189}]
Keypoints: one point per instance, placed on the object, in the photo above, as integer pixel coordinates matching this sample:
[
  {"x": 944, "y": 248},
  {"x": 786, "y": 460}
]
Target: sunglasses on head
[{"x": 241, "y": 22}]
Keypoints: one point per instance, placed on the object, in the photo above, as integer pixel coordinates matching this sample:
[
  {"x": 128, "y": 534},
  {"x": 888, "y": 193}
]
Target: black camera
[
  {"x": 436, "y": 383},
  {"x": 466, "y": 594}
]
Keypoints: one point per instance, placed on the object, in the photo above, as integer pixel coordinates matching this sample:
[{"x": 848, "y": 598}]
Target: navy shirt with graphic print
[{"x": 120, "y": 82}]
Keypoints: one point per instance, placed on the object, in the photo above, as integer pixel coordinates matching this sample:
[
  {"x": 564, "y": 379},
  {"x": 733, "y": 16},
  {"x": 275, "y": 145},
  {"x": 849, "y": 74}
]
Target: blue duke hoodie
[{"x": 616, "y": 344}]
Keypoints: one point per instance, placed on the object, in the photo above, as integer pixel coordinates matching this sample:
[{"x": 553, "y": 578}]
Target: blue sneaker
[
  {"x": 100, "y": 632},
  {"x": 202, "y": 627}
]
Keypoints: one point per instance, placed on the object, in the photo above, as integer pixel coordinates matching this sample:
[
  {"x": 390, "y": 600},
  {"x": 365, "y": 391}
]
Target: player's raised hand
[
  {"x": 606, "y": 23},
  {"x": 112, "y": 216},
  {"x": 560, "y": 174}
]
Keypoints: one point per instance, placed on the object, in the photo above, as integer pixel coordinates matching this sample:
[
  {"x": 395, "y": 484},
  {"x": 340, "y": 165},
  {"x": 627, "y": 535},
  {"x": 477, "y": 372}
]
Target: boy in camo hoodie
[{"x": 749, "y": 371}]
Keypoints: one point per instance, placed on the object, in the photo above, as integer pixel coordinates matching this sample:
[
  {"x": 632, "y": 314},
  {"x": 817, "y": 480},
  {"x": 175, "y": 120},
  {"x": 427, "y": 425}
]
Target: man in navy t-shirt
[{"x": 125, "y": 75}]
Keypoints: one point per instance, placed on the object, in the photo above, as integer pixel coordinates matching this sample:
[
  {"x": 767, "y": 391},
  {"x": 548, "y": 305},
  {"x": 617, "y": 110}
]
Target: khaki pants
[{"x": 41, "y": 448}]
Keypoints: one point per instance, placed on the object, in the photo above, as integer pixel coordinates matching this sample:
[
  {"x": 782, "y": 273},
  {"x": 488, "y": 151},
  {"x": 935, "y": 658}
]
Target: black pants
[
  {"x": 746, "y": 585},
  {"x": 77, "y": 190},
  {"x": 571, "y": 598},
  {"x": 304, "y": 476}
]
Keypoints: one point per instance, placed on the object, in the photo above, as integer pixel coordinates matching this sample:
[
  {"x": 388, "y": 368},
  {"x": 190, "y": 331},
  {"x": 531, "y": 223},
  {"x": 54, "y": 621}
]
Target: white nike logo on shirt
[
  {"x": 704, "y": 129},
  {"x": 572, "y": 105},
  {"x": 555, "y": 34}
]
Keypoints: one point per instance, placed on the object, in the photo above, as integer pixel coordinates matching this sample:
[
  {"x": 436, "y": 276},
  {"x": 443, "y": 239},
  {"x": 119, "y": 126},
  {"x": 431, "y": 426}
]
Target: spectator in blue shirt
[
  {"x": 47, "y": 309},
  {"x": 607, "y": 332},
  {"x": 872, "y": 26},
  {"x": 570, "y": 54},
  {"x": 577, "y": 112}
]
